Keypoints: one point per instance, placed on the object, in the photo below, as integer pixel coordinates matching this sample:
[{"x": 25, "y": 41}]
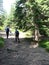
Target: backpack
[
  {"x": 17, "y": 32},
  {"x": 7, "y": 30}
]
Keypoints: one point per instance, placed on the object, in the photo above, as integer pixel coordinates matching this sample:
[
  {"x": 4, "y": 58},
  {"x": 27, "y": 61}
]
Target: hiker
[
  {"x": 7, "y": 31},
  {"x": 17, "y": 36}
]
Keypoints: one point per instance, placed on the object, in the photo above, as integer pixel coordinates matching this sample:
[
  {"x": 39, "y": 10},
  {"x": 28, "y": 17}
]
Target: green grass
[
  {"x": 1, "y": 42},
  {"x": 44, "y": 44}
]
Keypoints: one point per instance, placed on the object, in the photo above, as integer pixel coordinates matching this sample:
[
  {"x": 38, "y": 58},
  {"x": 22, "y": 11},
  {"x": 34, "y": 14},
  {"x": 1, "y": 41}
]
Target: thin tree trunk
[{"x": 36, "y": 34}]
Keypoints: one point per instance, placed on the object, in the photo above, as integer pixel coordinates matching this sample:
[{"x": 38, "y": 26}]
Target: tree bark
[{"x": 36, "y": 33}]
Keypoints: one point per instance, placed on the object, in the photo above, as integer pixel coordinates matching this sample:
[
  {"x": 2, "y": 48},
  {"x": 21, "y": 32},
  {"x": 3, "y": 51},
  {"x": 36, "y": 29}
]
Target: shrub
[
  {"x": 1, "y": 28},
  {"x": 44, "y": 44},
  {"x": 1, "y": 42}
]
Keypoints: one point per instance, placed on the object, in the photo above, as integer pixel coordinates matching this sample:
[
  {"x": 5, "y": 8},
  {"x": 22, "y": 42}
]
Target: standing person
[
  {"x": 7, "y": 31},
  {"x": 17, "y": 35}
]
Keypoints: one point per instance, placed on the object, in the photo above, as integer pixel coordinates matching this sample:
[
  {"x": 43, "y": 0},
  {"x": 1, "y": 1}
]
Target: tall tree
[{"x": 34, "y": 12}]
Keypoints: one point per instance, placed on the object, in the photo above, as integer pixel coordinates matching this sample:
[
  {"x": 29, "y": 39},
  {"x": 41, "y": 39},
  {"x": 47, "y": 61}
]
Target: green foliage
[
  {"x": 2, "y": 19},
  {"x": 24, "y": 13},
  {"x": 20, "y": 14},
  {"x": 1, "y": 42},
  {"x": 10, "y": 21},
  {"x": 44, "y": 44},
  {"x": 1, "y": 27}
]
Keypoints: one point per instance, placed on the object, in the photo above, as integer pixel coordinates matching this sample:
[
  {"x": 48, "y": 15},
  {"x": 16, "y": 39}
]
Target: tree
[
  {"x": 33, "y": 12},
  {"x": 2, "y": 19}
]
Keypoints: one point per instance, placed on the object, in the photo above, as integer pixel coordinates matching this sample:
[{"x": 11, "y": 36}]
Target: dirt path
[{"x": 22, "y": 53}]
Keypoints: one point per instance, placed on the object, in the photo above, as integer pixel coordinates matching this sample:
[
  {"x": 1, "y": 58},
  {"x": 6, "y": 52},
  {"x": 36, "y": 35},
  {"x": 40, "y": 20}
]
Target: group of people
[{"x": 16, "y": 34}]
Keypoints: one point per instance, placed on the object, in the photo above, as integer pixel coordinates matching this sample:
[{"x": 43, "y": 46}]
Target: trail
[{"x": 22, "y": 53}]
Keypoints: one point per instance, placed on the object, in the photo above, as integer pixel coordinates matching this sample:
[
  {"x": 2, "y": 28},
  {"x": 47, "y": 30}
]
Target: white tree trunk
[{"x": 36, "y": 33}]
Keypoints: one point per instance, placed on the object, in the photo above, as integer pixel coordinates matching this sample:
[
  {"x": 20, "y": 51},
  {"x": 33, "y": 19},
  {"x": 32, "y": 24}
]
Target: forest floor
[{"x": 23, "y": 53}]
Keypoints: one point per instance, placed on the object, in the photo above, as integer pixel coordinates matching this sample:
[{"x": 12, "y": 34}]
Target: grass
[
  {"x": 44, "y": 44},
  {"x": 1, "y": 42}
]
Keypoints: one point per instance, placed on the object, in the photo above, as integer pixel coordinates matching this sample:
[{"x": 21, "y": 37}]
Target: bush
[
  {"x": 44, "y": 44},
  {"x": 1, "y": 42},
  {"x": 1, "y": 38},
  {"x": 47, "y": 49},
  {"x": 1, "y": 28}
]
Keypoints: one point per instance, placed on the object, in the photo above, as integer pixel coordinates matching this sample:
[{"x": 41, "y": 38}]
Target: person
[
  {"x": 7, "y": 32},
  {"x": 17, "y": 36}
]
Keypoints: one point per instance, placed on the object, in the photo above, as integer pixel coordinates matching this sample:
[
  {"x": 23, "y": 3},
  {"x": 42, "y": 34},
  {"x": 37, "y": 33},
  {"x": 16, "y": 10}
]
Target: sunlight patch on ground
[
  {"x": 12, "y": 35},
  {"x": 34, "y": 45}
]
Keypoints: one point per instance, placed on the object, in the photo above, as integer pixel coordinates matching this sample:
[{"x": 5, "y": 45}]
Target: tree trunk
[{"x": 36, "y": 34}]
